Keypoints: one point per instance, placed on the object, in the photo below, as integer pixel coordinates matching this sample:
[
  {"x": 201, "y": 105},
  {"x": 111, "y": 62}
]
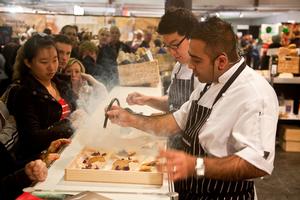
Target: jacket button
[
  {"x": 46, "y": 96},
  {"x": 34, "y": 92}
]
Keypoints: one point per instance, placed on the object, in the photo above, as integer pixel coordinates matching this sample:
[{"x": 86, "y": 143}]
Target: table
[{"x": 91, "y": 133}]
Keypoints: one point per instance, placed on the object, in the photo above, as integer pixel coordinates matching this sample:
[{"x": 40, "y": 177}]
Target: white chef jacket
[
  {"x": 185, "y": 73},
  {"x": 244, "y": 120}
]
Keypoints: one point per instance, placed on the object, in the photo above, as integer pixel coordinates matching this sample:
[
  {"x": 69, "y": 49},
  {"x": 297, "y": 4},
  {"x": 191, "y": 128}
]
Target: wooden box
[
  {"x": 290, "y": 146},
  {"x": 290, "y": 138},
  {"x": 105, "y": 173},
  {"x": 139, "y": 74},
  {"x": 288, "y": 64}
]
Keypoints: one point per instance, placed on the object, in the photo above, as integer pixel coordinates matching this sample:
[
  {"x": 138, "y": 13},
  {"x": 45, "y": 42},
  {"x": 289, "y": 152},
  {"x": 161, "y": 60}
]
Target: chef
[
  {"x": 229, "y": 126},
  {"x": 175, "y": 34}
]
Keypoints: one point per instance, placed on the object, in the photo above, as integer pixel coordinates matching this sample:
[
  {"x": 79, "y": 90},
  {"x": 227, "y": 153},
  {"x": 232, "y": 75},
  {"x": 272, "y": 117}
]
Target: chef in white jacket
[{"x": 229, "y": 127}]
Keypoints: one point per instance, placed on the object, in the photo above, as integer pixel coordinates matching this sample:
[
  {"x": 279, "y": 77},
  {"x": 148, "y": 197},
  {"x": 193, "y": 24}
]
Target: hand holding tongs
[{"x": 108, "y": 108}]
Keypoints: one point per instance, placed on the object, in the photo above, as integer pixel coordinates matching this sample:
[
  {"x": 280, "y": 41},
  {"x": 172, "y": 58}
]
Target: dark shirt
[
  {"x": 145, "y": 44},
  {"x": 107, "y": 64},
  {"x": 121, "y": 46},
  {"x": 13, "y": 179}
]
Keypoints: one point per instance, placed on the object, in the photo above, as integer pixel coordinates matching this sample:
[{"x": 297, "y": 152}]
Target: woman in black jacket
[{"x": 43, "y": 101}]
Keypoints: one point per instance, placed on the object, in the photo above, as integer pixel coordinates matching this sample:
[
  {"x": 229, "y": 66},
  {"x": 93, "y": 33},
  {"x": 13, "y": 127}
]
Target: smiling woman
[{"x": 43, "y": 101}]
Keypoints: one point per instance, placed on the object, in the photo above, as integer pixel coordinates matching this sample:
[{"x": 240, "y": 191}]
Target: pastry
[{"x": 121, "y": 164}]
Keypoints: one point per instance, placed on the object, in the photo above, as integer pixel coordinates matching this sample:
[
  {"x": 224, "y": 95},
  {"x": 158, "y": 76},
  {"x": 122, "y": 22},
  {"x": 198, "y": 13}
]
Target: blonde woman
[{"x": 85, "y": 86}]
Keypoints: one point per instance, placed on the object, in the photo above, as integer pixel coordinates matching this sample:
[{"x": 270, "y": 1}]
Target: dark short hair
[
  {"x": 218, "y": 36},
  {"x": 47, "y": 31},
  {"x": 178, "y": 20},
  {"x": 62, "y": 39},
  {"x": 29, "y": 51},
  {"x": 63, "y": 29}
]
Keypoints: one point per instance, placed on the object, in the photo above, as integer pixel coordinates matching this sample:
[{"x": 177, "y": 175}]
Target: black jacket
[
  {"x": 38, "y": 115},
  {"x": 12, "y": 179}
]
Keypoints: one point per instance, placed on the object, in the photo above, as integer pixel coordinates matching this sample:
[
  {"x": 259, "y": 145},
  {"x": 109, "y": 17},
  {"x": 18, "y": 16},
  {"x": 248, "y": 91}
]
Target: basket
[
  {"x": 165, "y": 62},
  {"x": 288, "y": 64},
  {"x": 139, "y": 74}
]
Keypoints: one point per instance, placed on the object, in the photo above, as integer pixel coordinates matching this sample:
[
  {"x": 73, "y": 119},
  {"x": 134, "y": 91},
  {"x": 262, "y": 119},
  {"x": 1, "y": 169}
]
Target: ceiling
[{"x": 154, "y": 8}]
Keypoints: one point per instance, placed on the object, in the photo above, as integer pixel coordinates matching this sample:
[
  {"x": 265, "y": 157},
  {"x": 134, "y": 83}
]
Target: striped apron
[
  {"x": 179, "y": 93},
  {"x": 200, "y": 187}
]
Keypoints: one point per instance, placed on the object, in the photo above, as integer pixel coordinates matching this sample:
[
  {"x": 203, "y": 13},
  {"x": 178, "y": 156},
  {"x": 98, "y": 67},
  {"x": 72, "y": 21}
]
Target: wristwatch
[{"x": 200, "y": 168}]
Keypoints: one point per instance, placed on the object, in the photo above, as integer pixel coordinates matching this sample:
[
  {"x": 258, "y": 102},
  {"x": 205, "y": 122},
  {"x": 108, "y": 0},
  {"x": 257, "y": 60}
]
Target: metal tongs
[{"x": 108, "y": 108}]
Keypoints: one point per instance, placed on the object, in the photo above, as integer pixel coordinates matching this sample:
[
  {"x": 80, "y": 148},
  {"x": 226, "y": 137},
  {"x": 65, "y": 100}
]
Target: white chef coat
[
  {"x": 244, "y": 120},
  {"x": 185, "y": 73}
]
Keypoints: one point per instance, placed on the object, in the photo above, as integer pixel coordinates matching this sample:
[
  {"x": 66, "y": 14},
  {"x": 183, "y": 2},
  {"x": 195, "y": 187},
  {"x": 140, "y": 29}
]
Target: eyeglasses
[{"x": 175, "y": 46}]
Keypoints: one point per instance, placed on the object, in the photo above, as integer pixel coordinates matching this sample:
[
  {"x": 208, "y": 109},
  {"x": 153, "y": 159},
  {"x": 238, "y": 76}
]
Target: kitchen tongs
[{"x": 108, "y": 108}]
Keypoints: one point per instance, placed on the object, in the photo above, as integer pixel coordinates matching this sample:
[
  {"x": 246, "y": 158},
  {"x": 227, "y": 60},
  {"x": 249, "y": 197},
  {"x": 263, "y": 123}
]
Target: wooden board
[{"x": 75, "y": 173}]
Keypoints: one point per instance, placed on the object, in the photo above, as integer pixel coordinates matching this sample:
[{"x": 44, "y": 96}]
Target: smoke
[{"x": 90, "y": 132}]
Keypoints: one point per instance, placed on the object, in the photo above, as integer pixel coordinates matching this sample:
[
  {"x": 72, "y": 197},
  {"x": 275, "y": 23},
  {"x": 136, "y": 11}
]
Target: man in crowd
[
  {"x": 71, "y": 32},
  {"x": 64, "y": 48}
]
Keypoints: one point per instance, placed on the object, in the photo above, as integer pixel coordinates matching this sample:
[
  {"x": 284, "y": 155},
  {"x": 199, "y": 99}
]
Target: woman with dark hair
[{"x": 43, "y": 102}]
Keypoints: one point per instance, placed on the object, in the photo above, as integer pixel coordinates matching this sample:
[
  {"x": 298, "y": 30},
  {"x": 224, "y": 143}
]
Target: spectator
[
  {"x": 85, "y": 86},
  {"x": 71, "y": 32},
  {"x": 107, "y": 59},
  {"x": 115, "y": 42},
  {"x": 64, "y": 48},
  {"x": 43, "y": 101}
]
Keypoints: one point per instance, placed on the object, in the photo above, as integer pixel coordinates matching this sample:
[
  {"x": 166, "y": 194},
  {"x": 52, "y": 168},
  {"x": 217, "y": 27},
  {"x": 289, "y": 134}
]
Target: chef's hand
[
  {"x": 36, "y": 170},
  {"x": 136, "y": 98},
  {"x": 120, "y": 116},
  {"x": 177, "y": 163}
]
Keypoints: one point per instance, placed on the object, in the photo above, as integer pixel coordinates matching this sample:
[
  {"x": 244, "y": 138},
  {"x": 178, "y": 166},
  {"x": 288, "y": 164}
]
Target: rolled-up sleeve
[{"x": 255, "y": 132}]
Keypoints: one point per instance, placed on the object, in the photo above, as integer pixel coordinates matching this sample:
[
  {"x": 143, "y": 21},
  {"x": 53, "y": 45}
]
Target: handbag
[{"x": 8, "y": 129}]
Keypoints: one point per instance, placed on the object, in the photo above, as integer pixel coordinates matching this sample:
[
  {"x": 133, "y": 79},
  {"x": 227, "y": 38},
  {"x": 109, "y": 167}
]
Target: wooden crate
[
  {"x": 288, "y": 64},
  {"x": 290, "y": 138},
  {"x": 290, "y": 146},
  {"x": 139, "y": 74},
  {"x": 73, "y": 173}
]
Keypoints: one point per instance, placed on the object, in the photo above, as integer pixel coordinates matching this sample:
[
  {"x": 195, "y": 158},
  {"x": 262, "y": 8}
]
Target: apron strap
[
  {"x": 192, "y": 81},
  {"x": 175, "y": 75},
  {"x": 206, "y": 87},
  {"x": 230, "y": 81}
]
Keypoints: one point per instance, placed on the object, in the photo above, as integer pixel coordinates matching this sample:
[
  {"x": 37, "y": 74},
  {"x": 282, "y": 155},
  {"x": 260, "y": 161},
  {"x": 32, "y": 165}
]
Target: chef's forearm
[
  {"x": 161, "y": 125},
  {"x": 231, "y": 168},
  {"x": 160, "y": 103}
]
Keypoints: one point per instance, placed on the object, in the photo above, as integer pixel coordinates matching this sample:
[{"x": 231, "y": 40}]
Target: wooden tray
[{"x": 74, "y": 173}]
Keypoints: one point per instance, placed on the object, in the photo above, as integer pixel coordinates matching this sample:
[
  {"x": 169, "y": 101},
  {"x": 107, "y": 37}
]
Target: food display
[{"x": 122, "y": 166}]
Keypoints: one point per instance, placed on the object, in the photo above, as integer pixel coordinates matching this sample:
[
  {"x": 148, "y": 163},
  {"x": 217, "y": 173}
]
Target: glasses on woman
[{"x": 175, "y": 46}]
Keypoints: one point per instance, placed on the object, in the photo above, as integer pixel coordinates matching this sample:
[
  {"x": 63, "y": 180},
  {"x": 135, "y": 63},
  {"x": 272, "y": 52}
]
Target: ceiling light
[
  {"x": 202, "y": 19},
  {"x": 15, "y": 9},
  {"x": 78, "y": 10},
  {"x": 241, "y": 15}
]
